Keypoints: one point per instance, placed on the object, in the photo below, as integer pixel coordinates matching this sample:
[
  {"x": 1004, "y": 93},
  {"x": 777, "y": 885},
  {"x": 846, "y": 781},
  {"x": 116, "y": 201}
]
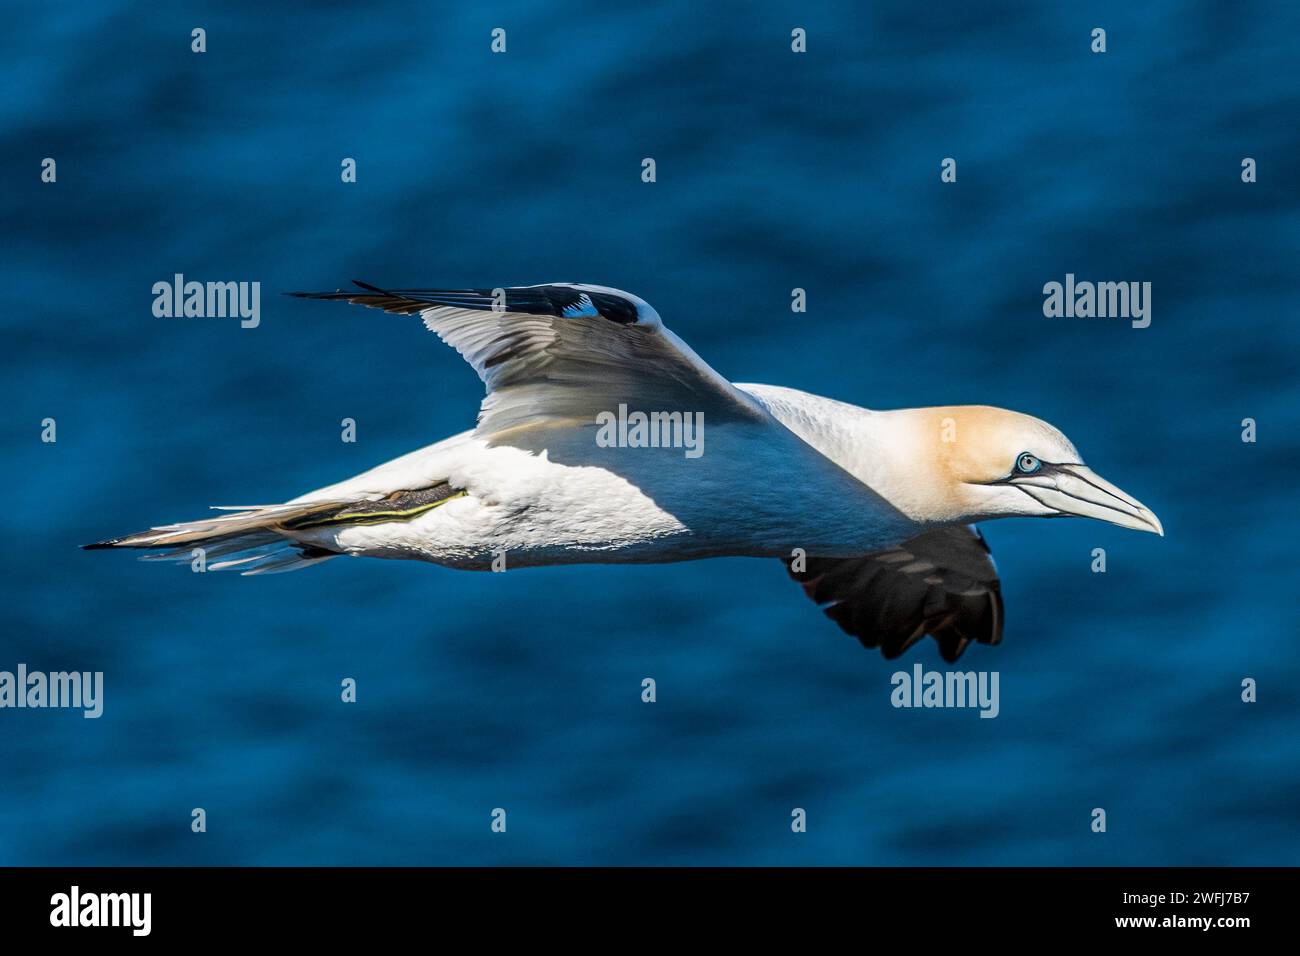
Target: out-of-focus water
[{"x": 775, "y": 171}]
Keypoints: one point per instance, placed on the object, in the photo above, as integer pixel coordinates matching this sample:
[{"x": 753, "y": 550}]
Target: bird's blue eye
[{"x": 1027, "y": 464}]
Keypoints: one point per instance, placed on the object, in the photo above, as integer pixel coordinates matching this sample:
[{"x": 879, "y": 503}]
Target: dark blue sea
[{"x": 774, "y": 170}]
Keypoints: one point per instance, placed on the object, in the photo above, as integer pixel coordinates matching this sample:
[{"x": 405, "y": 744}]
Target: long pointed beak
[{"x": 1078, "y": 490}]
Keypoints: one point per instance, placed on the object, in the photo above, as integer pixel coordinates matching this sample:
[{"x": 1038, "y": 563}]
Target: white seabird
[{"x": 872, "y": 511}]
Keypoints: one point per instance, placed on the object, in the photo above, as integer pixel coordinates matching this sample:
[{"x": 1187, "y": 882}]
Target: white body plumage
[
  {"x": 871, "y": 510},
  {"x": 758, "y": 489}
]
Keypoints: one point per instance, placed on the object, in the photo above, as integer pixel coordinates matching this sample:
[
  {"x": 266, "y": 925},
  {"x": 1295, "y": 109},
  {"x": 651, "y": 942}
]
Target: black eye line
[{"x": 1044, "y": 468}]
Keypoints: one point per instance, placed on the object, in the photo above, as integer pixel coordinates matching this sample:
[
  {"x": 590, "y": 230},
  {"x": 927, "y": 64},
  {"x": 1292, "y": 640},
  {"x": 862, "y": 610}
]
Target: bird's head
[{"x": 993, "y": 463}]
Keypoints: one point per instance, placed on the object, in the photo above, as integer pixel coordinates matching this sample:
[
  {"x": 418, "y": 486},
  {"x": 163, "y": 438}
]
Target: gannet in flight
[{"x": 871, "y": 511}]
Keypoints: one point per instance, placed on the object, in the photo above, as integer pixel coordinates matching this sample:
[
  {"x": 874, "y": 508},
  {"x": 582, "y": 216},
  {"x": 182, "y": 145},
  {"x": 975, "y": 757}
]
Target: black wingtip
[
  {"x": 339, "y": 293},
  {"x": 317, "y": 295},
  {"x": 99, "y": 546}
]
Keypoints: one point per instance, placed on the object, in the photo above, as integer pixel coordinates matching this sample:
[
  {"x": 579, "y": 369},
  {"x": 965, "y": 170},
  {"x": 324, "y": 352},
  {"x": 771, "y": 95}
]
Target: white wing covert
[{"x": 562, "y": 353}]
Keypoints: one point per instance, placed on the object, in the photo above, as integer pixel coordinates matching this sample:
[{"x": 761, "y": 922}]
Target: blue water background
[{"x": 775, "y": 171}]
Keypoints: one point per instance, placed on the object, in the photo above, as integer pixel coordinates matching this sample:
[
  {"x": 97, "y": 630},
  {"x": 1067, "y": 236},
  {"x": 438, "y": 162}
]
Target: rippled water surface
[{"x": 775, "y": 171}]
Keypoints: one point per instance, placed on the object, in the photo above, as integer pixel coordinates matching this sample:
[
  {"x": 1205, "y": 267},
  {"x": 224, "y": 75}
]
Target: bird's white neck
[{"x": 885, "y": 450}]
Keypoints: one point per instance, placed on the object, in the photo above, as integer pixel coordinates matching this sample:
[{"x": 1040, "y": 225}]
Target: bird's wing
[
  {"x": 563, "y": 353},
  {"x": 942, "y": 583}
]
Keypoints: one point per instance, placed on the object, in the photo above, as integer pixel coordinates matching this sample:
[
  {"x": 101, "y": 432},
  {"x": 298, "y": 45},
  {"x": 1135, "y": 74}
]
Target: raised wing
[
  {"x": 563, "y": 353},
  {"x": 942, "y": 583}
]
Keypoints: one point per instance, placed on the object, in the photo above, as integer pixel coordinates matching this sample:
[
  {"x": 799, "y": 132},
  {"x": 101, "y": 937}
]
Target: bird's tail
[{"x": 253, "y": 540}]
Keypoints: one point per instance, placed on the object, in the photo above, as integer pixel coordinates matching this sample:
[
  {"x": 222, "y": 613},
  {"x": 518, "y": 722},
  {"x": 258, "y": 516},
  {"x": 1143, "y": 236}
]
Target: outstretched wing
[
  {"x": 563, "y": 353},
  {"x": 942, "y": 583}
]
